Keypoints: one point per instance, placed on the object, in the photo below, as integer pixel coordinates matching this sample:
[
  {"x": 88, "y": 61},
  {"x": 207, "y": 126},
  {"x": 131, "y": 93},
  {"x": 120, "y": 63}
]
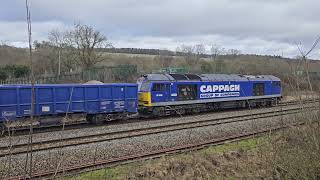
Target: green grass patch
[
  {"x": 120, "y": 172},
  {"x": 248, "y": 144},
  {"x": 108, "y": 173}
]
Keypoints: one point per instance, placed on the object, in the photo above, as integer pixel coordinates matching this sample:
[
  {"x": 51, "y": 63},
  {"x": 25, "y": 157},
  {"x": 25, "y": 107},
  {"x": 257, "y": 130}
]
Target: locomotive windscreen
[
  {"x": 179, "y": 77},
  {"x": 193, "y": 77}
]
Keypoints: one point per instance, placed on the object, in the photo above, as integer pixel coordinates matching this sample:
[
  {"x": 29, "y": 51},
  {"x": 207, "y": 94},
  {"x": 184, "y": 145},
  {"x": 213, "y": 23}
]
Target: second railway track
[
  {"x": 16, "y": 149},
  {"x": 83, "y": 124},
  {"x": 98, "y": 164}
]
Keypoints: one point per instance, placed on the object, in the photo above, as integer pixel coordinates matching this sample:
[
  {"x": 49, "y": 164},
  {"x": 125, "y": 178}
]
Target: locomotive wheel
[
  {"x": 241, "y": 104},
  {"x": 216, "y": 106},
  {"x": 159, "y": 111},
  {"x": 252, "y": 104},
  {"x": 196, "y": 110},
  {"x": 181, "y": 111}
]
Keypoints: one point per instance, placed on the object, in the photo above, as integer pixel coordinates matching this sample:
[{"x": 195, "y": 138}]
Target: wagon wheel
[
  {"x": 216, "y": 106},
  {"x": 242, "y": 104},
  {"x": 94, "y": 119},
  {"x": 264, "y": 103},
  {"x": 2, "y": 129}
]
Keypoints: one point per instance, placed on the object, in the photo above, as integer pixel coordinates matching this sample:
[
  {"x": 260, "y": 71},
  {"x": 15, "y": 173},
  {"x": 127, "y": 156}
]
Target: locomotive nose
[{"x": 144, "y": 98}]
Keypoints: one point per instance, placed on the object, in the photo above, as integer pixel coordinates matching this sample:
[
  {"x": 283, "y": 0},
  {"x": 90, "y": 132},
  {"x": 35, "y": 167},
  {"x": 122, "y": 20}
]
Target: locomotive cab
[
  {"x": 144, "y": 96},
  {"x": 153, "y": 88}
]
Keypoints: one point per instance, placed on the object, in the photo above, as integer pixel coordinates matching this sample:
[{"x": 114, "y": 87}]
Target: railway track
[
  {"x": 84, "y": 124},
  {"x": 150, "y": 155},
  {"x": 116, "y": 135}
]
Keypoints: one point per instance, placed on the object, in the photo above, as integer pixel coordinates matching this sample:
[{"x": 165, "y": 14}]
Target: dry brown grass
[
  {"x": 234, "y": 165},
  {"x": 286, "y": 154},
  {"x": 295, "y": 153}
]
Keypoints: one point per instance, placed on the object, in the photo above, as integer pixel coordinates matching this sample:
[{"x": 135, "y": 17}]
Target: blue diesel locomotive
[
  {"x": 153, "y": 95},
  {"x": 165, "y": 94}
]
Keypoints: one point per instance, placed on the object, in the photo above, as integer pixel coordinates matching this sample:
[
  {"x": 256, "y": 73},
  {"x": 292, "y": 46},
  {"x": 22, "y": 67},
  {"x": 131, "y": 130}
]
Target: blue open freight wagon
[{"x": 114, "y": 100}]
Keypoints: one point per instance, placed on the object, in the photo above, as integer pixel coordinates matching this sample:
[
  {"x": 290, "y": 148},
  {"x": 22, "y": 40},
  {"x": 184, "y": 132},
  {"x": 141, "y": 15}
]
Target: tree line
[
  {"x": 82, "y": 48},
  {"x": 182, "y": 50}
]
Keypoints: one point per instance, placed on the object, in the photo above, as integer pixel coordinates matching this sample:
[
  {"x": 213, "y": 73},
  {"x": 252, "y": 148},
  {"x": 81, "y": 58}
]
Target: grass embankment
[
  {"x": 230, "y": 160},
  {"x": 293, "y": 153}
]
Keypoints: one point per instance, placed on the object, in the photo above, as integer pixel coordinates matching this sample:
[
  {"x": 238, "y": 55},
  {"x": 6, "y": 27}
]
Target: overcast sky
[{"x": 252, "y": 26}]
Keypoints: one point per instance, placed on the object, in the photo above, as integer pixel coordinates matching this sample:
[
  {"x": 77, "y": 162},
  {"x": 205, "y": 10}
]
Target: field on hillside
[
  {"x": 286, "y": 69},
  {"x": 244, "y": 64}
]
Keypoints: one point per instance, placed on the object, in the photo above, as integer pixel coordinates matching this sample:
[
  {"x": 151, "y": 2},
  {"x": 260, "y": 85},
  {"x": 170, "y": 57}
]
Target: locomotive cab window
[
  {"x": 276, "y": 84},
  {"x": 144, "y": 86},
  {"x": 258, "y": 89},
  {"x": 159, "y": 87},
  {"x": 187, "y": 92}
]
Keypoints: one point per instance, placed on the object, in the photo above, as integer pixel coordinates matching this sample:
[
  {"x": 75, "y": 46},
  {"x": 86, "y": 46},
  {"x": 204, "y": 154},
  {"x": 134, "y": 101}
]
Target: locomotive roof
[{"x": 209, "y": 77}]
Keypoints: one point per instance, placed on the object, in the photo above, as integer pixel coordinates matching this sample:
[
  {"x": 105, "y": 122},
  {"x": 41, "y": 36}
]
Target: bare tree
[
  {"x": 216, "y": 50},
  {"x": 199, "y": 49},
  {"x": 192, "y": 54},
  {"x": 178, "y": 50},
  {"x": 304, "y": 59},
  {"x": 165, "y": 59},
  {"x": 86, "y": 42},
  {"x": 58, "y": 41},
  {"x": 3, "y": 43},
  {"x": 234, "y": 52},
  {"x": 45, "y": 57},
  {"x": 189, "y": 55},
  {"x": 61, "y": 43}
]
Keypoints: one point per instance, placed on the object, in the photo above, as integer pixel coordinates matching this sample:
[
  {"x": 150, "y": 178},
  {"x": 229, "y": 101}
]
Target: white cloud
[
  {"x": 16, "y": 32},
  {"x": 253, "y": 26}
]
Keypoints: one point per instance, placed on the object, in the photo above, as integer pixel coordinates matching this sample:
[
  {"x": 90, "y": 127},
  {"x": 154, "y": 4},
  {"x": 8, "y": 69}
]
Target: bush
[
  {"x": 14, "y": 71},
  {"x": 295, "y": 153},
  {"x": 21, "y": 71},
  {"x": 3, "y": 75},
  {"x": 220, "y": 66},
  {"x": 125, "y": 72},
  {"x": 206, "y": 67}
]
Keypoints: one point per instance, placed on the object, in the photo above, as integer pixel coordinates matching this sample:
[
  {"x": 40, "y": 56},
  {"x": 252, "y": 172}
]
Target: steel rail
[
  {"x": 108, "y": 136},
  {"x": 152, "y": 154},
  {"x": 84, "y": 124}
]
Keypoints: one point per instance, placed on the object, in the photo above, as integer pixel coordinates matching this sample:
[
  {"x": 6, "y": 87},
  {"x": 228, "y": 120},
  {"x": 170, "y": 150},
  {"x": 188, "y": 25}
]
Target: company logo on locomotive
[
  {"x": 216, "y": 91},
  {"x": 219, "y": 88}
]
